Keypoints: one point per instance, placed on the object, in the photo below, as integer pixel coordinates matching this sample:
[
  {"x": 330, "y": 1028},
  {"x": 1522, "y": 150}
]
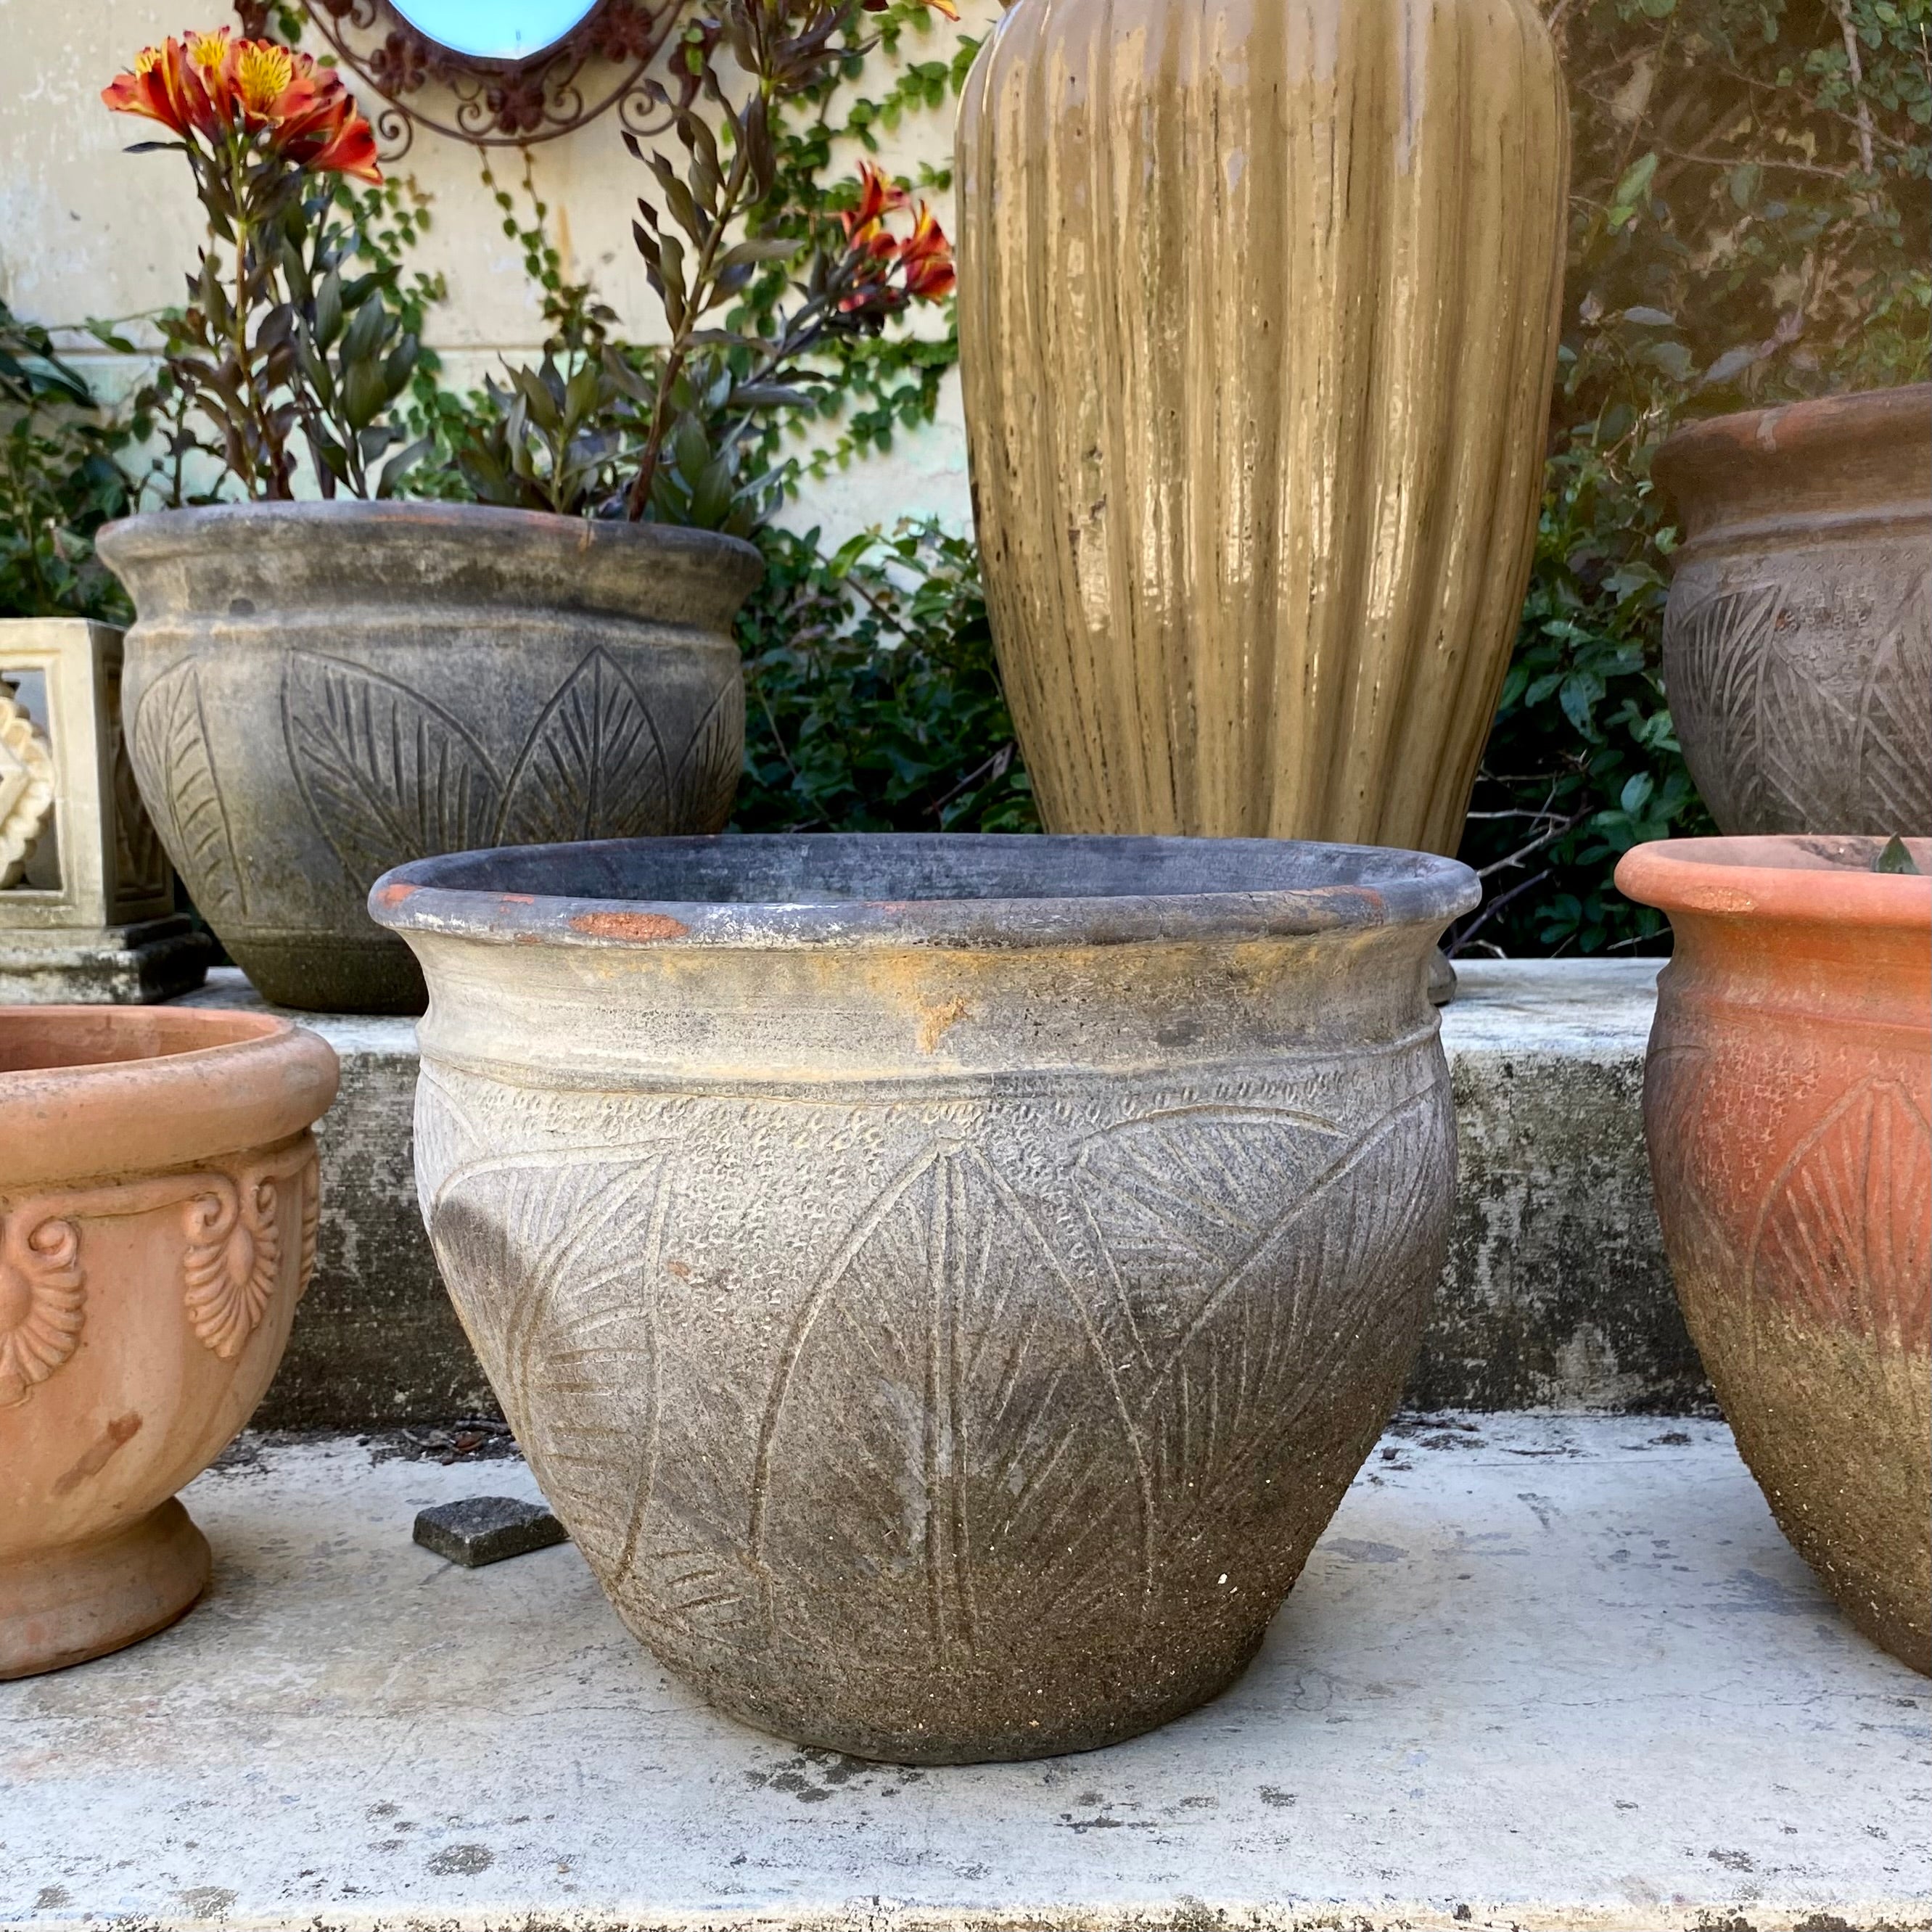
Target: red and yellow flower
[{"x": 214, "y": 86}]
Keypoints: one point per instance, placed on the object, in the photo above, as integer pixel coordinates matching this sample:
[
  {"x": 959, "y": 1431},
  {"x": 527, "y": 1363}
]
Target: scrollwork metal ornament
[{"x": 599, "y": 66}]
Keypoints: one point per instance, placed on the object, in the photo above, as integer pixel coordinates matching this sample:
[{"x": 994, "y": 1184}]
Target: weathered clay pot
[
  {"x": 1798, "y": 638},
  {"x": 157, "y": 1217},
  {"x": 1259, "y": 310},
  {"x": 316, "y": 692},
  {"x": 1786, "y": 1101},
  {"x": 945, "y": 1284}
]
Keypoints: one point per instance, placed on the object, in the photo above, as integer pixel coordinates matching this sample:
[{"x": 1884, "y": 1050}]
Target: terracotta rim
[
  {"x": 1811, "y": 880},
  {"x": 255, "y": 1079},
  {"x": 1793, "y": 435}
]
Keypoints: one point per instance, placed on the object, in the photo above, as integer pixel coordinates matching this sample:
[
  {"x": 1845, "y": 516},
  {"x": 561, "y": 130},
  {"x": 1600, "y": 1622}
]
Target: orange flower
[
  {"x": 161, "y": 87},
  {"x": 213, "y": 84},
  {"x": 926, "y": 256},
  {"x": 878, "y": 198}
]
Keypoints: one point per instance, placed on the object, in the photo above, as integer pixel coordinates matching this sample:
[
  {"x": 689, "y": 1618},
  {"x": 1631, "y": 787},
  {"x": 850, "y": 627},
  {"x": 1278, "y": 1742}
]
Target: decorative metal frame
[{"x": 599, "y": 66}]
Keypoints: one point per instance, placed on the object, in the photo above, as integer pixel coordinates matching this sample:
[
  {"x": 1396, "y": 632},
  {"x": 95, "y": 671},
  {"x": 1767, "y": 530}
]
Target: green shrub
[
  {"x": 872, "y": 703},
  {"x": 61, "y": 478},
  {"x": 1750, "y": 222}
]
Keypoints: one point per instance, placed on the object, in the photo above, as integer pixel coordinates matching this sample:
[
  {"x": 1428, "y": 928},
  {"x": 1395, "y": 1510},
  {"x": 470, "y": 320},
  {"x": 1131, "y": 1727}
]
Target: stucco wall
[{"x": 86, "y": 229}]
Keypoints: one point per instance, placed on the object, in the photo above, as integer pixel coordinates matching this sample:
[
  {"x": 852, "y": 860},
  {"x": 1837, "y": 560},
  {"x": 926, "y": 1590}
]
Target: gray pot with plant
[
  {"x": 945, "y": 1283},
  {"x": 316, "y": 691}
]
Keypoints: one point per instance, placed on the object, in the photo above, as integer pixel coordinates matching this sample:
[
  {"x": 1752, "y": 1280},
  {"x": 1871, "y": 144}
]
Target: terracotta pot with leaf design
[
  {"x": 316, "y": 692},
  {"x": 158, "y": 1197},
  {"x": 1798, "y": 638},
  {"x": 944, "y": 1284},
  {"x": 1788, "y": 1106}
]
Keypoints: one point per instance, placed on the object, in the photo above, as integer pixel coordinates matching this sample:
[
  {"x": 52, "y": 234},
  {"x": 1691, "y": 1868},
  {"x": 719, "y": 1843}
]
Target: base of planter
[
  {"x": 1077, "y": 1728},
  {"x": 321, "y": 973},
  {"x": 63, "y": 1607},
  {"x": 110, "y": 966}
]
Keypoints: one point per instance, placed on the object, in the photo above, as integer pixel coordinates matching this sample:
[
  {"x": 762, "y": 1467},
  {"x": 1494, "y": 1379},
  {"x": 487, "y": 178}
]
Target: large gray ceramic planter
[
  {"x": 1797, "y": 637},
  {"x": 316, "y": 692},
  {"x": 945, "y": 1285}
]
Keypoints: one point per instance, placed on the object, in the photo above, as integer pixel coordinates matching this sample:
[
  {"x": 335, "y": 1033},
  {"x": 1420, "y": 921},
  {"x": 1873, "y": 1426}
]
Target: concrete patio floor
[{"x": 1542, "y": 1671}]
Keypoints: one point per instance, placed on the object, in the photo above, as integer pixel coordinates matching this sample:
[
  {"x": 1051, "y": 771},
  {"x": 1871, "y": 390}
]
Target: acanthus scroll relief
[{"x": 231, "y": 1263}]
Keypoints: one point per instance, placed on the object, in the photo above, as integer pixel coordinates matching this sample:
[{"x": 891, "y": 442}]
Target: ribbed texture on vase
[{"x": 1257, "y": 319}]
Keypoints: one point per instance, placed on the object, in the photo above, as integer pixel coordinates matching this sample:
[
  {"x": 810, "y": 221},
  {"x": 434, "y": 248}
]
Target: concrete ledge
[
  {"x": 1556, "y": 1295},
  {"x": 1541, "y": 1673}
]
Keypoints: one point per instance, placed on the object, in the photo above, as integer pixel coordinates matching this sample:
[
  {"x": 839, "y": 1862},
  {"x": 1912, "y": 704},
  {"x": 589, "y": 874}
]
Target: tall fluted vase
[{"x": 1258, "y": 317}]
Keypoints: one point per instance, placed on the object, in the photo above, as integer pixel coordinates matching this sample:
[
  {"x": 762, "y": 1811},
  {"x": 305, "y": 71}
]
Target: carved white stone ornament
[{"x": 26, "y": 787}]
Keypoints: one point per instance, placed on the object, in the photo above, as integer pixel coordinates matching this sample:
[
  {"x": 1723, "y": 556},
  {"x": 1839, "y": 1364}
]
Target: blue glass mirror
[{"x": 501, "y": 30}]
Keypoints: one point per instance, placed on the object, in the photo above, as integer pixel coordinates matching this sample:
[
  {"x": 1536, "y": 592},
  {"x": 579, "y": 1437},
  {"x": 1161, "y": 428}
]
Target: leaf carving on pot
[
  {"x": 592, "y": 768},
  {"x": 959, "y": 1461},
  {"x": 1266, "y": 1252},
  {"x": 553, "y": 1261},
  {"x": 387, "y": 775},
  {"x": 42, "y": 1298},
  {"x": 174, "y": 756},
  {"x": 1843, "y": 1236},
  {"x": 1177, "y": 1199},
  {"x": 1891, "y": 736},
  {"x": 705, "y": 783}
]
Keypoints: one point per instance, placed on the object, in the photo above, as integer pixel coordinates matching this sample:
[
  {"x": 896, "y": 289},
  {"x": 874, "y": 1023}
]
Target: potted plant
[
  {"x": 318, "y": 690},
  {"x": 1798, "y": 636},
  {"x": 1257, "y": 325},
  {"x": 1787, "y": 1103},
  {"x": 158, "y": 1197},
  {"x": 945, "y": 1283}
]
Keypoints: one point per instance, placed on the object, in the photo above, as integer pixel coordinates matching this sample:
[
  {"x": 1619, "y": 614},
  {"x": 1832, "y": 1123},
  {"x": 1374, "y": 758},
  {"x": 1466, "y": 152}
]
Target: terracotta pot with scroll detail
[
  {"x": 1788, "y": 1105},
  {"x": 1798, "y": 638},
  {"x": 158, "y": 1196},
  {"x": 945, "y": 1284},
  {"x": 315, "y": 692}
]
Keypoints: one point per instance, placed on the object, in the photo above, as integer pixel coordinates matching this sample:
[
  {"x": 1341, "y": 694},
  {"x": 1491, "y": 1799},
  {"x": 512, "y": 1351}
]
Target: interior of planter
[
  {"x": 837, "y": 867},
  {"x": 36, "y": 1039},
  {"x": 1801, "y": 852}
]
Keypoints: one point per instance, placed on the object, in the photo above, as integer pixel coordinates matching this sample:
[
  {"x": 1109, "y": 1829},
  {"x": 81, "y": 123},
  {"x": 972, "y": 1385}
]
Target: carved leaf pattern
[
  {"x": 388, "y": 775},
  {"x": 1273, "y": 1240},
  {"x": 141, "y": 865},
  {"x": 1846, "y": 1228},
  {"x": 560, "y": 1257},
  {"x": 706, "y": 780},
  {"x": 922, "y": 1461},
  {"x": 42, "y": 1299},
  {"x": 1782, "y": 733},
  {"x": 175, "y": 758},
  {"x": 592, "y": 767}
]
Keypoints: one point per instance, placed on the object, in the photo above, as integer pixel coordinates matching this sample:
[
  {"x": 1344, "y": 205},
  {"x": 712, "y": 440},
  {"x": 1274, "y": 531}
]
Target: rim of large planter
[
  {"x": 355, "y": 550},
  {"x": 1871, "y": 447},
  {"x": 1814, "y": 879},
  {"x": 146, "y": 1087},
  {"x": 754, "y": 891}
]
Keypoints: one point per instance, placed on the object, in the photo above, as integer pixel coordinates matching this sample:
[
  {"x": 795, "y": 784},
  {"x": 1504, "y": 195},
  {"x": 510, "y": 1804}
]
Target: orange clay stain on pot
[
  {"x": 938, "y": 1021},
  {"x": 394, "y": 895},
  {"x": 645, "y": 926}
]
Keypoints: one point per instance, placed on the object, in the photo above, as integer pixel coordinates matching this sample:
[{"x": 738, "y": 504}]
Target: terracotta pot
[
  {"x": 316, "y": 692},
  {"x": 158, "y": 1215},
  {"x": 1798, "y": 638},
  {"x": 944, "y": 1284},
  {"x": 1786, "y": 1101},
  {"x": 1259, "y": 310}
]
